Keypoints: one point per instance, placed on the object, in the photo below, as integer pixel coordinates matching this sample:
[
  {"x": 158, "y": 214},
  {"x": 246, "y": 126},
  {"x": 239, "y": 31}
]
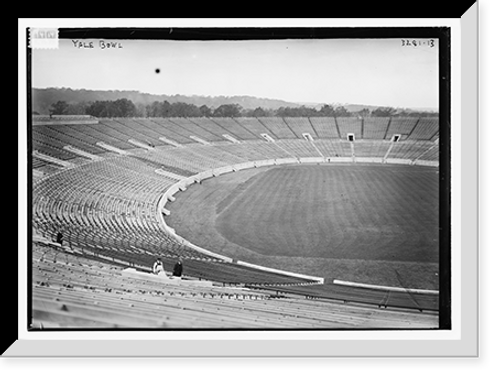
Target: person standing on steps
[
  {"x": 59, "y": 238},
  {"x": 177, "y": 271},
  {"x": 158, "y": 266}
]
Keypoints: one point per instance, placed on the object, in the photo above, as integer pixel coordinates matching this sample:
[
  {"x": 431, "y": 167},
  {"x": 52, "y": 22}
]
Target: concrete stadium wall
[
  {"x": 281, "y": 161},
  {"x": 371, "y": 286},
  {"x": 312, "y": 160},
  {"x": 204, "y": 175},
  {"x": 338, "y": 159},
  {"x": 267, "y": 162},
  {"x": 426, "y": 163},
  {"x": 276, "y": 271},
  {"x": 398, "y": 161},
  {"x": 242, "y": 166},
  {"x": 368, "y": 160}
]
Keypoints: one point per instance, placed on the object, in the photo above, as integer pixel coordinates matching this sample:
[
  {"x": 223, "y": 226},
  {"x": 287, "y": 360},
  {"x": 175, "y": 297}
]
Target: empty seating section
[
  {"x": 109, "y": 204},
  {"x": 196, "y": 130},
  {"x": 69, "y": 135},
  {"x": 234, "y": 129},
  {"x": 334, "y": 148},
  {"x": 349, "y": 125},
  {"x": 220, "y": 157},
  {"x": 325, "y": 127},
  {"x": 52, "y": 140},
  {"x": 401, "y": 125},
  {"x": 209, "y": 125},
  {"x": 118, "y": 133},
  {"x": 432, "y": 154},
  {"x": 256, "y": 150},
  {"x": 43, "y": 167},
  {"x": 89, "y": 140},
  {"x": 299, "y": 148},
  {"x": 37, "y": 163},
  {"x": 104, "y": 134},
  {"x": 300, "y": 125},
  {"x": 373, "y": 149},
  {"x": 75, "y": 261},
  {"x": 196, "y": 158},
  {"x": 76, "y": 136},
  {"x": 278, "y": 127},
  {"x": 155, "y": 128},
  {"x": 167, "y": 159},
  {"x": 408, "y": 149},
  {"x": 196, "y": 265},
  {"x": 375, "y": 127},
  {"x": 271, "y": 150},
  {"x": 169, "y": 129},
  {"x": 427, "y": 128},
  {"x": 252, "y": 151},
  {"x": 254, "y": 126},
  {"x": 151, "y": 130},
  {"x": 46, "y": 148},
  {"x": 379, "y": 297},
  {"x": 78, "y": 292},
  {"x": 133, "y": 130},
  {"x": 248, "y": 151},
  {"x": 215, "y": 156},
  {"x": 99, "y": 295}
]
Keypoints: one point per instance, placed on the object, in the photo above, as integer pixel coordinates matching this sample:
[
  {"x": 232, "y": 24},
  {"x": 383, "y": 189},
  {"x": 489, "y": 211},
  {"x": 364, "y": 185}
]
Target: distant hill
[
  {"x": 43, "y": 98},
  {"x": 358, "y": 107}
]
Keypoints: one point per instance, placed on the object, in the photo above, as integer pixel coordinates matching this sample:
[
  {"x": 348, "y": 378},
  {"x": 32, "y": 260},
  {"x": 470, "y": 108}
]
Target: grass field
[{"x": 368, "y": 223}]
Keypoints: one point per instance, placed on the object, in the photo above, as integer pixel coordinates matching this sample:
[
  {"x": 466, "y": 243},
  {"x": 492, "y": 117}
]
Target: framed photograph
[{"x": 247, "y": 187}]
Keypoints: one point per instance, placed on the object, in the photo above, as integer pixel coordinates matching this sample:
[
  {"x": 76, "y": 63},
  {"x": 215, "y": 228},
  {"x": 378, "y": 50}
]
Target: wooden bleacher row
[
  {"x": 108, "y": 203},
  {"x": 118, "y": 132},
  {"x": 334, "y": 148},
  {"x": 195, "y": 157},
  {"x": 372, "y": 149},
  {"x": 379, "y": 297},
  {"x": 299, "y": 148},
  {"x": 409, "y": 151},
  {"x": 74, "y": 292}
]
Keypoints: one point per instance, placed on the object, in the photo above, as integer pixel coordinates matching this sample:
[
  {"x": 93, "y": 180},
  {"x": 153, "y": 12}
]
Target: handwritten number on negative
[{"x": 417, "y": 43}]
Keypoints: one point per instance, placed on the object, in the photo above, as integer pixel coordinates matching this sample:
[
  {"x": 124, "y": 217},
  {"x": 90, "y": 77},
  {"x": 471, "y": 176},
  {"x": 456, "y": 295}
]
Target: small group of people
[
  {"x": 157, "y": 266},
  {"x": 177, "y": 270}
]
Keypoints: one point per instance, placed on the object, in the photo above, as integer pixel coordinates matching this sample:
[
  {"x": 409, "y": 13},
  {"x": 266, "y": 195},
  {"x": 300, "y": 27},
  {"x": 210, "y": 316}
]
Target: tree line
[{"x": 126, "y": 108}]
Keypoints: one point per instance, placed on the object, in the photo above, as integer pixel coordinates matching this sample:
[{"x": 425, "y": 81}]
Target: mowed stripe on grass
[{"x": 342, "y": 212}]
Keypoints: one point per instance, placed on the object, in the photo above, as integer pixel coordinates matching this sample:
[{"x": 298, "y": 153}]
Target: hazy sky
[{"x": 363, "y": 71}]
